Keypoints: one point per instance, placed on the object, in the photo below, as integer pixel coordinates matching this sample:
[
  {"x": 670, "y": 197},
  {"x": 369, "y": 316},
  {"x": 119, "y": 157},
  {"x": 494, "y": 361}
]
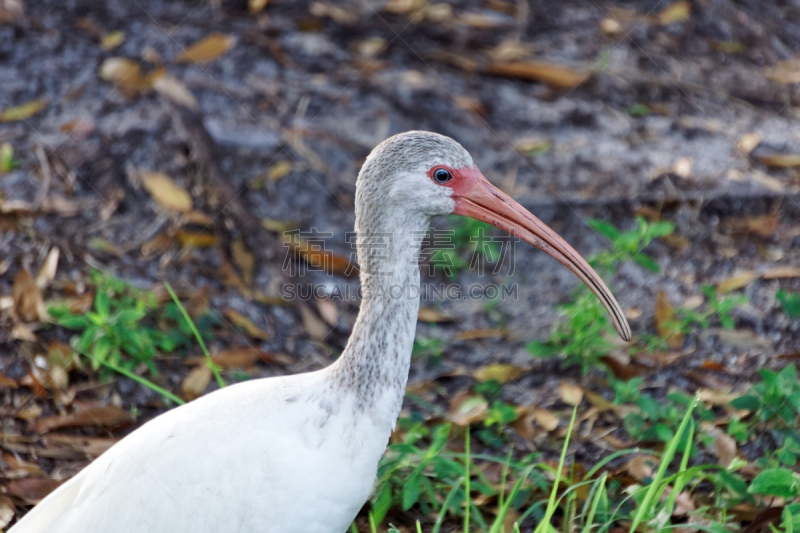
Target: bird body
[{"x": 299, "y": 454}]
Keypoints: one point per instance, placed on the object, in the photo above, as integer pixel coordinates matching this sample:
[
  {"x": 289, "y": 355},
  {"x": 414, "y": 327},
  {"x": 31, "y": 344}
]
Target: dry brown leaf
[
  {"x": 6, "y": 511},
  {"x": 24, "y": 111},
  {"x": 738, "y": 338},
  {"x": 476, "y": 334},
  {"x": 767, "y": 181},
  {"x": 166, "y": 192},
  {"x": 174, "y": 90},
  {"x": 319, "y": 258},
  {"x": 329, "y": 312},
  {"x": 665, "y": 314},
  {"x": 641, "y": 466},
  {"x": 677, "y": 12},
  {"x": 545, "y": 419},
  {"x": 429, "y": 314},
  {"x": 28, "y": 302},
  {"x": 8, "y": 383},
  {"x": 525, "y": 425},
  {"x": 724, "y": 448},
  {"x": 243, "y": 357},
  {"x": 779, "y": 160},
  {"x": 501, "y": 373},
  {"x": 23, "y": 332},
  {"x": 570, "y": 393},
  {"x": 554, "y": 75},
  {"x": 244, "y": 259},
  {"x": 246, "y": 324},
  {"x": 315, "y": 327},
  {"x": 279, "y": 170},
  {"x": 255, "y": 6},
  {"x": 157, "y": 245},
  {"x": 739, "y": 281},
  {"x": 610, "y": 26},
  {"x": 763, "y": 226},
  {"x": 93, "y": 415},
  {"x": 212, "y": 47},
  {"x": 747, "y": 143},
  {"x": 784, "y": 72},
  {"x": 111, "y": 40},
  {"x": 196, "y": 382},
  {"x": 782, "y": 272},
  {"x": 30, "y": 413},
  {"x": 683, "y": 504},
  {"x": 127, "y": 75},
  {"x": 466, "y": 409},
  {"x": 47, "y": 272},
  {"x": 32, "y": 490},
  {"x": 193, "y": 239},
  {"x": 91, "y": 447}
]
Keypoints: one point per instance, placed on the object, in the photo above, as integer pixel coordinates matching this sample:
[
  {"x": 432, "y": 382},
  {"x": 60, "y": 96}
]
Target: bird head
[{"x": 428, "y": 174}]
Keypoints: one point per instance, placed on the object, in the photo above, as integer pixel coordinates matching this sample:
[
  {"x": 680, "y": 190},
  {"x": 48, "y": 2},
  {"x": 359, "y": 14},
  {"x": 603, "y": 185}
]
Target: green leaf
[
  {"x": 102, "y": 303},
  {"x": 750, "y": 403},
  {"x": 411, "y": 489},
  {"x": 780, "y": 482},
  {"x": 382, "y": 503},
  {"x": 647, "y": 262},
  {"x": 538, "y": 349},
  {"x": 604, "y": 228},
  {"x": 790, "y": 303}
]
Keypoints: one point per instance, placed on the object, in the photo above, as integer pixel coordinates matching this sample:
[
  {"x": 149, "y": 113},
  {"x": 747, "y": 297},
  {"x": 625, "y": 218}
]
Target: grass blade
[
  {"x": 651, "y": 497},
  {"x": 138, "y": 379},
  {"x": 213, "y": 366},
  {"x": 545, "y": 525}
]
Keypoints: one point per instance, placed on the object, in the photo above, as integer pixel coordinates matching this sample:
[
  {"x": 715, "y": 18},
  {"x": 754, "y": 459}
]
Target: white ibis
[{"x": 299, "y": 454}]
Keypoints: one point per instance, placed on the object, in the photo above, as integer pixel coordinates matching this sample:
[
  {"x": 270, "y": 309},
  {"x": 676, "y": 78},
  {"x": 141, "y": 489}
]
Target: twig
[{"x": 44, "y": 164}]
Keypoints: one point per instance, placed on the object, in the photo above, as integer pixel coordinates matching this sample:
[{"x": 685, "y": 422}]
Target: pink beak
[{"x": 477, "y": 198}]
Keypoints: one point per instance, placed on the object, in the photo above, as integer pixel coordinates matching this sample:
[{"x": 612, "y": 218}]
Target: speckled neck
[{"x": 374, "y": 365}]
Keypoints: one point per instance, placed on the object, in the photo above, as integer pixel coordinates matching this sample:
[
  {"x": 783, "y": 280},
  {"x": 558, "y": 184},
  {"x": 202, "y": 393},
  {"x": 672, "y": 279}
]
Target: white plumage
[{"x": 299, "y": 454}]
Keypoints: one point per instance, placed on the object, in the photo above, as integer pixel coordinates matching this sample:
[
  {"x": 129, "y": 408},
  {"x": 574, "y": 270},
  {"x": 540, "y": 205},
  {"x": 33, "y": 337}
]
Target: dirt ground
[{"x": 685, "y": 117}]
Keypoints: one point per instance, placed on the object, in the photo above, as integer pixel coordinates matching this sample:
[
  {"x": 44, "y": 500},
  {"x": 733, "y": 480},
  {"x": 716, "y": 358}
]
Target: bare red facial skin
[{"x": 475, "y": 197}]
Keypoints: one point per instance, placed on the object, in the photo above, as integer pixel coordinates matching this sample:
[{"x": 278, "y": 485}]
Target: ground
[{"x": 151, "y": 160}]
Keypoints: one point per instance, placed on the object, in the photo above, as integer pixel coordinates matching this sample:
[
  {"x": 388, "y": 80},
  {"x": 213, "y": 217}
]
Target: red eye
[{"x": 441, "y": 175}]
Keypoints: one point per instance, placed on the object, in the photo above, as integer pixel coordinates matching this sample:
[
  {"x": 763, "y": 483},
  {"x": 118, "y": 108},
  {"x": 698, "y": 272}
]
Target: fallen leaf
[
  {"x": 315, "y": 327},
  {"x": 782, "y": 272},
  {"x": 683, "y": 504},
  {"x": 763, "y": 226},
  {"x": 476, "y": 334},
  {"x": 243, "y": 357},
  {"x": 329, "y": 312},
  {"x": 32, "y": 490},
  {"x": 157, "y": 245},
  {"x": 533, "y": 146},
  {"x": 112, "y": 40},
  {"x": 196, "y": 382},
  {"x": 8, "y": 383},
  {"x": 104, "y": 245},
  {"x": 127, "y": 75},
  {"x": 28, "y": 302},
  {"x": 779, "y": 160},
  {"x": 677, "y": 12},
  {"x": 501, "y": 373},
  {"x": 166, "y": 192},
  {"x": 90, "y": 447},
  {"x": 10, "y": 11},
  {"x": 545, "y": 419},
  {"x": 429, "y": 314},
  {"x": 244, "y": 259},
  {"x": 208, "y": 49},
  {"x": 640, "y": 467},
  {"x": 193, "y": 239},
  {"x": 747, "y": 143},
  {"x": 665, "y": 317},
  {"x": 30, "y": 413},
  {"x": 255, "y": 6},
  {"x": 24, "y": 111},
  {"x": 23, "y": 332},
  {"x": 175, "y": 90},
  {"x": 466, "y": 409},
  {"x": 683, "y": 167},
  {"x": 767, "y": 181},
  {"x": 736, "y": 282},
  {"x": 525, "y": 424},
  {"x": 279, "y": 170},
  {"x": 784, "y": 72},
  {"x": 570, "y": 393},
  {"x": 318, "y": 257},
  {"x": 724, "y": 448},
  {"x": 47, "y": 272},
  {"x": 246, "y": 324},
  {"x": 93, "y": 415},
  {"x": 744, "y": 339},
  {"x": 555, "y": 75},
  {"x": 6, "y": 511}
]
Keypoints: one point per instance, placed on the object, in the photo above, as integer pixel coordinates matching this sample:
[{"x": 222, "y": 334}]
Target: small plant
[
  {"x": 429, "y": 348},
  {"x": 583, "y": 338},
  {"x": 790, "y": 302},
  {"x": 7, "y": 160}
]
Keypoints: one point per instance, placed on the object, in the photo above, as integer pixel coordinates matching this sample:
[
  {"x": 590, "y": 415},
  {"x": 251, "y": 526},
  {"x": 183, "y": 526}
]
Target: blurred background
[{"x": 215, "y": 145}]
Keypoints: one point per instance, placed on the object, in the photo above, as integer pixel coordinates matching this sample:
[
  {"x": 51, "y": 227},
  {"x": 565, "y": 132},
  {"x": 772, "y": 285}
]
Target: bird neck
[{"x": 374, "y": 366}]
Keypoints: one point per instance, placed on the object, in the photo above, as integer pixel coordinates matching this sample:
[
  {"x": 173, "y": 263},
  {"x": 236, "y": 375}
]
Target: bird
[{"x": 299, "y": 453}]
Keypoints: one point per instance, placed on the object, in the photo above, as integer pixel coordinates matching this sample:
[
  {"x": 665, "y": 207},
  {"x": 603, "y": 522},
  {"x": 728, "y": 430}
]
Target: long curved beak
[{"x": 477, "y": 198}]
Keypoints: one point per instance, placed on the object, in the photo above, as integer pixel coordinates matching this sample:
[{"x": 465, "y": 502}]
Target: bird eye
[{"x": 441, "y": 176}]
